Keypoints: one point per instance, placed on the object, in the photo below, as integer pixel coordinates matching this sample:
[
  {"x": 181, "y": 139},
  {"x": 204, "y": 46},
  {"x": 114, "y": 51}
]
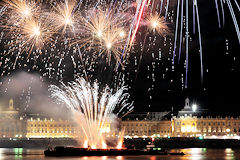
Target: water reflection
[
  {"x": 229, "y": 154},
  {"x": 190, "y": 154},
  {"x": 2, "y": 151}
]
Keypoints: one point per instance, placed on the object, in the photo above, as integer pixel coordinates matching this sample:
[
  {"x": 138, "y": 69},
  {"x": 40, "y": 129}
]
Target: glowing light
[
  {"x": 85, "y": 144},
  {"x": 104, "y": 145},
  {"x": 26, "y": 12},
  {"x": 99, "y": 33},
  {"x": 36, "y": 31},
  {"x": 194, "y": 107},
  {"x": 154, "y": 24},
  {"x": 109, "y": 45},
  {"x": 67, "y": 21},
  {"x": 120, "y": 143},
  {"x": 122, "y": 34},
  {"x": 228, "y": 150},
  {"x": 119, "y": 157}
]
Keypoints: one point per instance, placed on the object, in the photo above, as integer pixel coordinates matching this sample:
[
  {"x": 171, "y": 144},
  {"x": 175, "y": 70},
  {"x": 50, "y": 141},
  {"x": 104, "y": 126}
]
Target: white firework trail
[
  {"x": 180, "y": 36},
  {"x": 234, "y": 18},
  {"x": 233, "y": 15},
  {"x": 91, "y": 107}
]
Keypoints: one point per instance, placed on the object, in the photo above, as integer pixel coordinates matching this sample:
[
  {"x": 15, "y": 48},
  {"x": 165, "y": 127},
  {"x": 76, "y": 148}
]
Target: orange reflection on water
[{"x": 153, "y": 158}]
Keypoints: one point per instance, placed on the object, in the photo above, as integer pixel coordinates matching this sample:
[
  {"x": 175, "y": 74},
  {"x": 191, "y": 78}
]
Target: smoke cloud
[{"x": 30, "y": 94}]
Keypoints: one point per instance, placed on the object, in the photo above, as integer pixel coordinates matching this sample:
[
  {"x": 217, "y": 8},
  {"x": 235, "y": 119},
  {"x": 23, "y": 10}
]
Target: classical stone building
[
  {"x": 147, "y": 124},
  {"x": 192, "y": 124},
  {"x": 11, "y": 125},
  {"x": 187, "y": 123},
  {"x": 50, "y": 128},
  {"x": 145, "y": 128}
]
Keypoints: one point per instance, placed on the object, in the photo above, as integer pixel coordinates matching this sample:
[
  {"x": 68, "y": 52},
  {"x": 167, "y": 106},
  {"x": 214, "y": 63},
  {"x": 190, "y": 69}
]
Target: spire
[{"x": 187, "y": 103}]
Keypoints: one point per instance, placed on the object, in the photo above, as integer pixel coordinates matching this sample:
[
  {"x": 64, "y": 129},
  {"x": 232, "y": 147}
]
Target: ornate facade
[
  {"x": 50, "y": 128},
  {"x": 145, "y": 128},
  {"x": 191, "y": 126},
  {"x": 11, "y": 125},
  {"x": 14, "y": 126},
  {"x": 187, "y": 123}
]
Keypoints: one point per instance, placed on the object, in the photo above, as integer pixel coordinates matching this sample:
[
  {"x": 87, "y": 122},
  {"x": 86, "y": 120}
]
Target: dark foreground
[{"x": 72, "y": 151}]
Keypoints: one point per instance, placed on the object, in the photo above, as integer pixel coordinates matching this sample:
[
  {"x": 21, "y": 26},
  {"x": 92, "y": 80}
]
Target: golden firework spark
[
  {"x": 64, "y": 15},
  {"x": 104, "y": 31},
  {"x": 98, "y": 22},
  {"x": 113, "y": 42},
  {"x": 20, "y": 10},
  {"x": 35, "y": 34},
  {"x": 157, "y": 23}
]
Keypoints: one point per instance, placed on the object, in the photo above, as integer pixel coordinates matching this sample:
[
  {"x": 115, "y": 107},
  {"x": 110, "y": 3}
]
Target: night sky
[{"x": 219, "y": 92}]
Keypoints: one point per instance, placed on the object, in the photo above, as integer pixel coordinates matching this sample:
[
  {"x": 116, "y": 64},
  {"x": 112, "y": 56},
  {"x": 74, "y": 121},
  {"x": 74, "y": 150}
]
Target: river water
[{"x": 191, "y": 154}]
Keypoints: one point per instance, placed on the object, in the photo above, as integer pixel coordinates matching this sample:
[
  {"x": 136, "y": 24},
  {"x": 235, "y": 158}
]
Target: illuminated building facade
[
  {"x": 188, "y": 123},
  {"x": 147, "y": 125},
  {"x": 11, "y": 125},
  {"x": 50, "y": 128},
  {"x": 191, "y": 126},
  {"x": 147, "y": 128},
  {"x": 14, "y": 126}
]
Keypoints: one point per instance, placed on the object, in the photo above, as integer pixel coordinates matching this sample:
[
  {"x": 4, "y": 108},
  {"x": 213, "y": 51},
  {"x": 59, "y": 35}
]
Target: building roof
[{"x": 152, "y": 116}]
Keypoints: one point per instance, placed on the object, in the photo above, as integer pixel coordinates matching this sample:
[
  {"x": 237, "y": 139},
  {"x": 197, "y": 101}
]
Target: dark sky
[{"x": 219, "y": 91}]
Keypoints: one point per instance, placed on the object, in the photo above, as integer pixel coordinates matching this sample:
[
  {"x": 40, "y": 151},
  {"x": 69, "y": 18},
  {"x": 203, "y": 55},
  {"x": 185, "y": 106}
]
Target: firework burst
[
  {"x": 157, "y": 24},
  {"x": 104, "y": 31},
  {"x": 64, "y": 16},
  {"x": 20, "y": 10},
  {"x": 36, "y": 34},
  {"x": 92, "y": 107}
]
